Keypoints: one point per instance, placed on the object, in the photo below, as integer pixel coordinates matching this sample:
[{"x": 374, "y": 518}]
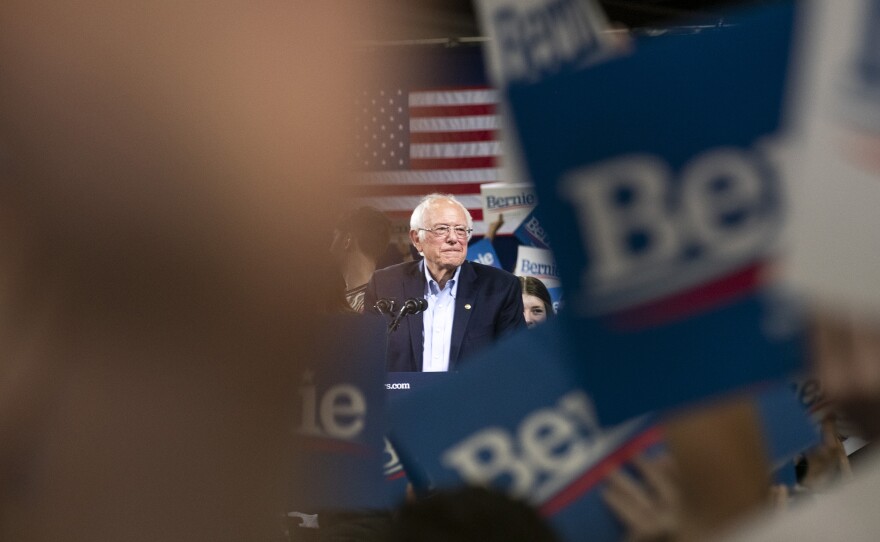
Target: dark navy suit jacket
[{"x": 488, "y": 304}]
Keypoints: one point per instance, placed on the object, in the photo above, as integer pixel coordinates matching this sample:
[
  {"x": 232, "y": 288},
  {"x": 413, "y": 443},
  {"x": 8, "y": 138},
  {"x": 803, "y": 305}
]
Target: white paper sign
[
  {"x": 514, "y": 201},
  {"x": 533, "y": 38},
  {"x": 538, "y": 263},
  {"x": 834, "y": 235}
]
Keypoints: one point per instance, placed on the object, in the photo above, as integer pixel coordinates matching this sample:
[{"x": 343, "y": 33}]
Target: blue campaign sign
[
  {"x": 398, "y": 383},
  {"x": 514, "y": 420},
  {"x": 339, "y": 417},
  {"x": 556, "y": 298},
  {"x": 786, "y": 424},
  {"x": 396, "y": 481},
  {"x": 660, "y": 193},
  {"x": 483, "y": 252},
  {"x": 530, "y": 232}
]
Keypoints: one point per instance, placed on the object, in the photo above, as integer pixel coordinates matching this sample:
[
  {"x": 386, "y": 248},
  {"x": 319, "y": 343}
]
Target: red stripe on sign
[
  {"x": 600, "y": 471},
  {"x": 396, "y": 476},
  {"x": 685, "y": 304},
  {"x": 453, "y": 137},
  {"x": 415, "y": 189},
  {"x": 453, "y": 163},
  {"x": 451, "y": 110}
]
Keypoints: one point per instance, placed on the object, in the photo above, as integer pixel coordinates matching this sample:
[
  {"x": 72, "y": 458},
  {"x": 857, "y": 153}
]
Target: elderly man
[{"x": 469, "y": 305}]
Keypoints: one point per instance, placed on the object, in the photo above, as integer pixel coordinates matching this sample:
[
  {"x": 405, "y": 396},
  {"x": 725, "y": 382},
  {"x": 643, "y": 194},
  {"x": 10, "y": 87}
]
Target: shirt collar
[{"x": 434, "y": 288}]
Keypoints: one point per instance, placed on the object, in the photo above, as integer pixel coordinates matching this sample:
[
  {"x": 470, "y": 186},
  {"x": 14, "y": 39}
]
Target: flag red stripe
[
  {"x": 600, "y": 471},
  {"x": 451, "y": 110},
  {"x": 686, "y": 304},
  {"x": 414, "y": 189},
  {"x": 453, "y": 137},
  {"x": 453, "y": 163}
]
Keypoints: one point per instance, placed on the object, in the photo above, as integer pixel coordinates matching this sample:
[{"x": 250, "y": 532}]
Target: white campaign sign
[
  {"x": 532, "y": 38},
  {"x": 835, "y": 172},
  {"x": 513, "y": 201},
  {"x": 529, "y": 38},
  {"x": 538, "y": 263}
]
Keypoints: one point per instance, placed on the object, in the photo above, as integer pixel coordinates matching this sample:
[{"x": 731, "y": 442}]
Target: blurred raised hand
[{"x": 649, "y": 507}]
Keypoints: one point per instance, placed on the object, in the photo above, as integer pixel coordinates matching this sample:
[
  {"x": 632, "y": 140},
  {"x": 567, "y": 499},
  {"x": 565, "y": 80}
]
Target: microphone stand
[{"x": 410, "y": 306}]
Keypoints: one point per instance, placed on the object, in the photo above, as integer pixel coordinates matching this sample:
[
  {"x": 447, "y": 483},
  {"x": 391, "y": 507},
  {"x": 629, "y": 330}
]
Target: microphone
[
  {"x": 385, "y": 306},
  {"x": 413, "y": 305}
]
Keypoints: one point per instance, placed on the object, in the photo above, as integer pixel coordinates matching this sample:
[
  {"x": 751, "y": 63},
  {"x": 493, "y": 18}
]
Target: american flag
[{"x": 413, "y": 142}]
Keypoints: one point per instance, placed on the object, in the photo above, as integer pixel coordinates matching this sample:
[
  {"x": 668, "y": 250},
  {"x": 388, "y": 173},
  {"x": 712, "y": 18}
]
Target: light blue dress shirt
[{"x": 437, "y": 319}]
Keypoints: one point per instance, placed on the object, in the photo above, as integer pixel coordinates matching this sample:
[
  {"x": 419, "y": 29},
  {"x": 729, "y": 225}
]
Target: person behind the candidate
[
  {"x": 470, "y": 305},
  {"x": 537, "y": 304},
  {"x": 360, "y": 239}
]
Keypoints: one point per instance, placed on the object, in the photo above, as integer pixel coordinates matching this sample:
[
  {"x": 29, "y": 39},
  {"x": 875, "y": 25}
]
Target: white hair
[{"x": 418, "y": 217}]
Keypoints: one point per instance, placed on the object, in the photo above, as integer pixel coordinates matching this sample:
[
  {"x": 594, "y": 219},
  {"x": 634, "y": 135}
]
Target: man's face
[{"x": 443, "y": 252}]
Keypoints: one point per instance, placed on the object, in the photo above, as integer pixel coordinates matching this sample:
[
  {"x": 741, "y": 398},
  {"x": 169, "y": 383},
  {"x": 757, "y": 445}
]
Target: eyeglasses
[{"x": 442, "y": 230}]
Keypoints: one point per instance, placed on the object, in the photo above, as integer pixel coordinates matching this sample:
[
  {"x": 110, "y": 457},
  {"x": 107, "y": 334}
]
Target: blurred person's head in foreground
[
  {"x": 469, "y": 514},
  {"x": 537, "y": 304},
  {"x": 156, "y": 171}
]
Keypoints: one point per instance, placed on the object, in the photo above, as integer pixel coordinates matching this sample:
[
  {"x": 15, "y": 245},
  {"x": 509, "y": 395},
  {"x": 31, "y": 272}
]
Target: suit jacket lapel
[
  {"x": 465, "y": 297},
  {"x": 414, "y": 286}
]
